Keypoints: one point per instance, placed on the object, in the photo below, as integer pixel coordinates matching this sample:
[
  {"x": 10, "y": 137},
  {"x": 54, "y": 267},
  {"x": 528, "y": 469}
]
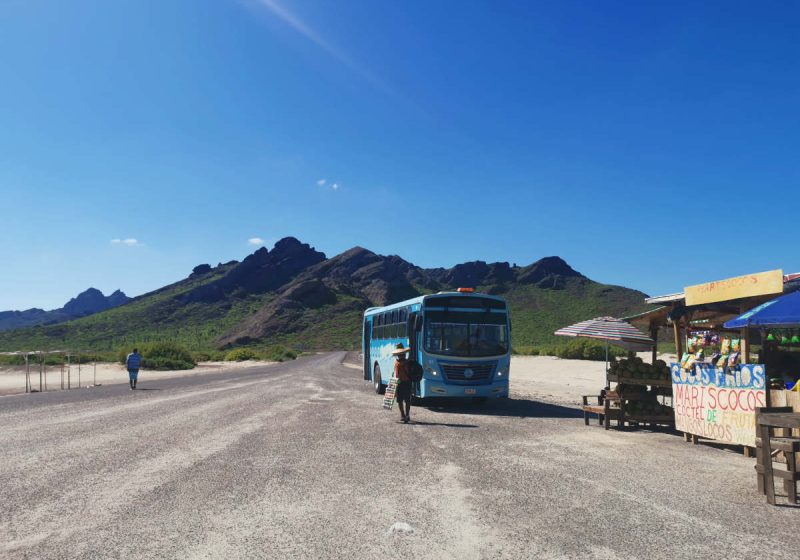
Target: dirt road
[{"x": 299, "y": 461}]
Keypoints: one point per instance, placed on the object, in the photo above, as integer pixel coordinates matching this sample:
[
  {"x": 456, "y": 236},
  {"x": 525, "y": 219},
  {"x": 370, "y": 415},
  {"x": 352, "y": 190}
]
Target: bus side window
[
  {"x": 379, "y": 327},
  {"x": 402, "y": 324}
]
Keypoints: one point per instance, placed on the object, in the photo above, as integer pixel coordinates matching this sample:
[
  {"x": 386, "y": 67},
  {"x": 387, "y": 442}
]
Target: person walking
[
  {"x": 403, "y": 375},
  {"x": 133, "y": 362}
]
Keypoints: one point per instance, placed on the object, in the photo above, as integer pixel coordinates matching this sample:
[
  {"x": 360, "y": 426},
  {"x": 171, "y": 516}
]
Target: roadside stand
[
  {"x": 720, "y": 375},
  {"x": 638, "y": 386},
  {"x": 736, "y": 379}
]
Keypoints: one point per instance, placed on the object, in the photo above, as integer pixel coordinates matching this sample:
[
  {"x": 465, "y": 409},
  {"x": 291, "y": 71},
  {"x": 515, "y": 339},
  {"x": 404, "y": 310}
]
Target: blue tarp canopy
[{"x": 781, "y": 312}]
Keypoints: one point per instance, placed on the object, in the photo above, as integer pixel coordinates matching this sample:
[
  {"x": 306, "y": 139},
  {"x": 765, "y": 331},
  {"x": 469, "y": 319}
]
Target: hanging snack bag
[
  {"x": 689, "y": 364},
  {"x": 699, "y": 355},
  {"x": 736, "y": 344},
  {"x": 684, "y": 358},
  {"x": 733, "y": 359},
  {"x": 726, "y": 346},
  {"x": 722, "y": 361}
]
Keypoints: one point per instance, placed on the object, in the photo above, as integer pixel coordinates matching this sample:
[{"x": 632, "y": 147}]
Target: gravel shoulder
[{"x": 298, "y": 460}]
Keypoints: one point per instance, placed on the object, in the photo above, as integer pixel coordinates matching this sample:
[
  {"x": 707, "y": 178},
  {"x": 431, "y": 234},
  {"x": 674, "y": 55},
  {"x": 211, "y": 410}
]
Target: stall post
[
  {"x": 745, "y": 338},
  {"x": 654, "y": 336},
  {"x": 676, "y": 328}
]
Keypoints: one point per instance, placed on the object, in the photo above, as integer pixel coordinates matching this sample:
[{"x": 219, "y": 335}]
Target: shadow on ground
[
  {"x": 443, "y": 424},
  {"x": 519, "y": 408}
]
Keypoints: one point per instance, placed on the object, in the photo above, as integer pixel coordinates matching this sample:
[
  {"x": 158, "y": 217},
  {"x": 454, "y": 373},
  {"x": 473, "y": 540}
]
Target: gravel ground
[{"x": 298, "y": 460}]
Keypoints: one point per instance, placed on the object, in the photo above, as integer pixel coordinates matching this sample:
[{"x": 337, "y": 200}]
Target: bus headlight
[{"x": 431, "y": 371}]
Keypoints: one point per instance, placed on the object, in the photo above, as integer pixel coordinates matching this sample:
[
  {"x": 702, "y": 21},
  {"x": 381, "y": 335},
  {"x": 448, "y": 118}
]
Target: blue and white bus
[{"x": 461, "y": 339}]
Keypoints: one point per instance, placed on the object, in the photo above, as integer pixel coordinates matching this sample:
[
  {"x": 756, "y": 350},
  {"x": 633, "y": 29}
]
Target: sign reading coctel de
[
  {"x": 749, "y": 285},
  {"x": 719, "y": 403}
]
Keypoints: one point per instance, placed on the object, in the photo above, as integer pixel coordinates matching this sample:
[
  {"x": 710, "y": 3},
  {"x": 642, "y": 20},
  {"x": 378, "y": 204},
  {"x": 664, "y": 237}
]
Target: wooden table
[{"x": 765, "y": 421}]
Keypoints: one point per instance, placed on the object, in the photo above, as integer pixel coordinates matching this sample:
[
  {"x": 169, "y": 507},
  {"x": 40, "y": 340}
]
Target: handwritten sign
[
  {"x": 719, "y": 403},
  {"x": 749, "y": 285}
]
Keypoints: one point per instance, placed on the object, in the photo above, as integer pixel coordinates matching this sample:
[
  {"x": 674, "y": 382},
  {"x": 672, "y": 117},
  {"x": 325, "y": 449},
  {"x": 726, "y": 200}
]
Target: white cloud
[
  {"x": 255, "y": 241},
  {"x": 335, "y": 186},
  {"x": 130, "y": 241},
  {"x": 321, "y": 182}
]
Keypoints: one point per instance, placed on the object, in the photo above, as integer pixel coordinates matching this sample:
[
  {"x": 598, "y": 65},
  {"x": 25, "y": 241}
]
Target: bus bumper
[{"x": 431, "y": 388}]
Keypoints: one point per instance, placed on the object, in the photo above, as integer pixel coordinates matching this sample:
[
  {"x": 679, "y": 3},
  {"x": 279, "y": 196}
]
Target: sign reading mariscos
[{"x": 719, "y": 403}]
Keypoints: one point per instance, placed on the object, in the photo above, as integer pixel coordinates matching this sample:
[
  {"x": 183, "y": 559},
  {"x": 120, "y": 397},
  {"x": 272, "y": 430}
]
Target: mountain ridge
[
  {"x": 85, "y": 303},
  {"x": 297, "y": 296}
]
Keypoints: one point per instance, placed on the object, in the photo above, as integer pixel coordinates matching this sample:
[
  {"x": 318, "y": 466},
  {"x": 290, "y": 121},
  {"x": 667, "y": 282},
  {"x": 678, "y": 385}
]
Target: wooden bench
[{"x": 605, "y": 412}]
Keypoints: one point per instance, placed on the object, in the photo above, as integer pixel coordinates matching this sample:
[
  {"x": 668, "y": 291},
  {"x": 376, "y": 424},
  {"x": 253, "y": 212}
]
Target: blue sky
[{"x": 653, "y": 145}]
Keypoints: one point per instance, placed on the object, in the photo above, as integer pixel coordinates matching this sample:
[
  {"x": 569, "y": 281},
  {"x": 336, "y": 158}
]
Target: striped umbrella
[{"x": 612, "y": 331}]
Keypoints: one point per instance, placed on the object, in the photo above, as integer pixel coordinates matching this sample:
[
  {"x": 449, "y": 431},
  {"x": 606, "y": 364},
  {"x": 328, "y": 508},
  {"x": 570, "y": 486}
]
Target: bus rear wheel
[{"x": 380, "y": 388}]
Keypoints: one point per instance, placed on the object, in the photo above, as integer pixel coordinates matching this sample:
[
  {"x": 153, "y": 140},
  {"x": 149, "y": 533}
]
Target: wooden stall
[{"x": 719, "y": 381}]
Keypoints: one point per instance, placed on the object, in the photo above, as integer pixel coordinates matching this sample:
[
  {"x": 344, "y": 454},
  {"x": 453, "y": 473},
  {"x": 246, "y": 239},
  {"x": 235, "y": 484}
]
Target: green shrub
[
  {"x": 201, "y": 357},
  {"x": 162, "y": 356},
  {"x": 279, "y": 354},
  {"x": 241, "y": 355},
  {"x": 208, "y": 356},
  {"x": 587, "y": 349},
  {"x": 14, "y": 360}
]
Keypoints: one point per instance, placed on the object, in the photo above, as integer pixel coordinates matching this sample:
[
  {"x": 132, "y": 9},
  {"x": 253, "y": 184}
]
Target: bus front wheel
[{"x": 380, "y": 388}]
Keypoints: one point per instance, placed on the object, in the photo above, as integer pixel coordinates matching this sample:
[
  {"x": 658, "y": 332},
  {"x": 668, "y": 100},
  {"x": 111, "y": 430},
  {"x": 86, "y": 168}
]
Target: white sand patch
[
  {"x": 560, "y": 381},
  {"x": 12, "y": 378}
]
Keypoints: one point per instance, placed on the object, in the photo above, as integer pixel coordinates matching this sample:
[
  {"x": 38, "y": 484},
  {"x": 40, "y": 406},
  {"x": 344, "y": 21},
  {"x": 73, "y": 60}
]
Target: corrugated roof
[{"x": 669, "y": 298}]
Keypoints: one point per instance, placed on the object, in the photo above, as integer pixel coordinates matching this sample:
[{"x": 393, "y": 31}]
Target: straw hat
[{"x": 399, "y": 350}]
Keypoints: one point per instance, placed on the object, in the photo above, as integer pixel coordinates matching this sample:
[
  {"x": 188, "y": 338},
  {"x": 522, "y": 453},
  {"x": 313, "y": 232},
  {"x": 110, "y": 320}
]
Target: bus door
[
  {"x": 367, "y": 341},
  {"x": 412, "y": 338},
  {"x": 413, "y": 330}
]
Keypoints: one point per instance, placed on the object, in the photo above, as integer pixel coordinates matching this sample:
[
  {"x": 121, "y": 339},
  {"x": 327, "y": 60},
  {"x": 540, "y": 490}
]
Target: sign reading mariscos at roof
[
  {"x": 749, "y": 285},
  {"x": 719, "y": 403}
]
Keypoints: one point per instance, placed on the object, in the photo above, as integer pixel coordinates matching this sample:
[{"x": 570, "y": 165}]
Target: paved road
[{"x": 299, "y": 461}]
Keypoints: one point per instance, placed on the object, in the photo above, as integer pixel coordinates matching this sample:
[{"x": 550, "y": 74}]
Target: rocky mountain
[
  {"x": 294, "y": 295},
  {"x": 86, "y": 303}
]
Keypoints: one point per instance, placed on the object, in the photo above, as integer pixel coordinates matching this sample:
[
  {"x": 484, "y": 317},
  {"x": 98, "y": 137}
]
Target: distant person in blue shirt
[{"x": 133, "y": 362}]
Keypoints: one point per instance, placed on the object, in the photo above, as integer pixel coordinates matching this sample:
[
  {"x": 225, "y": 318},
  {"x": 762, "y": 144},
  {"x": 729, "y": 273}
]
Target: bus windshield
[{"x": 466, "y": 334}]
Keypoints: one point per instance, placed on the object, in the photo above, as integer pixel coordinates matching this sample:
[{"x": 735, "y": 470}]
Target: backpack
[
  {"x": 133, "y": 361},
  {"x": 414, "y": 371}
]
